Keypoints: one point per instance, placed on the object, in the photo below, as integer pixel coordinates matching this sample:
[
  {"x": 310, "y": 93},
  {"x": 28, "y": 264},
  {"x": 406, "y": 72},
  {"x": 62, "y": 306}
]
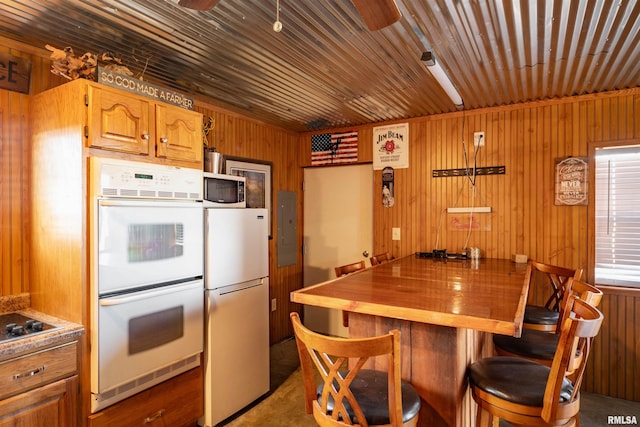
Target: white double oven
[{"x": 147, "y": 294}]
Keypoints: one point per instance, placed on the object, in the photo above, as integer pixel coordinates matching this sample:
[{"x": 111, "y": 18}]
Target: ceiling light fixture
[{"x": 441, "y": 77}]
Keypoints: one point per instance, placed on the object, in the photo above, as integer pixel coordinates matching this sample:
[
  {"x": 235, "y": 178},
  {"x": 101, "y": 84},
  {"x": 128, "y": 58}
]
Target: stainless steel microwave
[{"x": 224, "y": 191}]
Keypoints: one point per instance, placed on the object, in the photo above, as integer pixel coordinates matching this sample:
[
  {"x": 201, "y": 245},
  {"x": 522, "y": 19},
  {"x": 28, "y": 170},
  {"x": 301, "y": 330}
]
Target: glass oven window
[
  {"x": 155, "y": 329},
  {"x": 149, "y": 242}
]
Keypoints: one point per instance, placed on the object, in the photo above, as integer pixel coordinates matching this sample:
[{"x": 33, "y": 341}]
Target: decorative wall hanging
[
  {"x": 15, "y": 73},
  {"x": 388, "y": 190},
  {"x": 571, "y": 181},
  {"x": 391, "y": 146},
  {"x": 334, "y": 148}
]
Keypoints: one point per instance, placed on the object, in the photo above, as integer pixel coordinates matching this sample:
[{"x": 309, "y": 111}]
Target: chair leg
[{"x": 486, "y": 419}]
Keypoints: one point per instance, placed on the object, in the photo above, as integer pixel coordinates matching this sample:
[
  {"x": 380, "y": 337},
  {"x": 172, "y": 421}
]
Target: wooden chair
[
  {"x": 380, "y": 258},
  {"x": 347, "y": 269},
  {"x": 540, "y": 346},
  {"x": 347, "y": 394},
  {"x": 545, "y": 318},
  {"x": 523, "y": 392}
]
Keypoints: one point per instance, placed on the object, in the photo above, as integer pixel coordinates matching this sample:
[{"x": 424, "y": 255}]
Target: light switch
[{"x": 395, "y": 233}]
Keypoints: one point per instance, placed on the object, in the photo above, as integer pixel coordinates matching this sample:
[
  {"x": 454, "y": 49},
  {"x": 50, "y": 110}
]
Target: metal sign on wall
[
  {"x": 571, "y": 181},
  {"x": 391, "y": 146},
  {"x": 15, "y": 73}
]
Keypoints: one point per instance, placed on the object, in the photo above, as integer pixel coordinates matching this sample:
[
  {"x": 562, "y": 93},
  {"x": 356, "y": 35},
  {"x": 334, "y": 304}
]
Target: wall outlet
[
  {"x": 478, "y": 139},
  {"x": 273, "y": 304},
  {"x": 395, "y": 233}
]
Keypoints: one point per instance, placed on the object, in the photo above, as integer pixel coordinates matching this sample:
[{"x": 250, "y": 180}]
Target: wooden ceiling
[{"x": 325, "y": 69}]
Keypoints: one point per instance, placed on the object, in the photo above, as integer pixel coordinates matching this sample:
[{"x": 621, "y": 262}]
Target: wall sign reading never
[
  {"x": 571, "y": 181},
  {"x": 15, "y": 73}
]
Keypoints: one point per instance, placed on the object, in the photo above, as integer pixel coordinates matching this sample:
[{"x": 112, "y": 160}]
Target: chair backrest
[
  {"x": 574, "y": 345},
  {"x": 581, "y": 290},
  {"x": 380, "y": 258},
  {"x": 557, "y": 277},
  {"x": 338, "y": 361},
  {"x": 350, "y": 268}
]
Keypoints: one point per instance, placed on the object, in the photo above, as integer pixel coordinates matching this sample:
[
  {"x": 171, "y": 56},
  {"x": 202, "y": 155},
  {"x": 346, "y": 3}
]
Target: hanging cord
[
  {"x": 470, "y": 173},
  {"x": 277, "y": 26}
]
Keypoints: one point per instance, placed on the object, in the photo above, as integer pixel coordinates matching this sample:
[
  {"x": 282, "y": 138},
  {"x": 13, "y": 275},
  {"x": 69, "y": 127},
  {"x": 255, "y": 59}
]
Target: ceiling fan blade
[
  {"x": 377, "y": 14},
  {"x": 198, "y": 4}
]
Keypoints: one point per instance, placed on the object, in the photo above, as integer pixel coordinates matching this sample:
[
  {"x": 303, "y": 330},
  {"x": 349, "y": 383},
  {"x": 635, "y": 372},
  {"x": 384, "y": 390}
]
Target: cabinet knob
[
  {"x": 164, "y": 140},
  {"x": 145, "y": 136}
]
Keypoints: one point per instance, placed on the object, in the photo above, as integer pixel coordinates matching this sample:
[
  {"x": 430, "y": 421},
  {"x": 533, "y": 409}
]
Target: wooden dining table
[{"x": 446, "y": 311}]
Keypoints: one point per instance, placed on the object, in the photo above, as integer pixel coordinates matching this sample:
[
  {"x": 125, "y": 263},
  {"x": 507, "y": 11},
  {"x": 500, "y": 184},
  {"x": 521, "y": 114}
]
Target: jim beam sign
[
  {"x": 14, "y": 73},
  {"x": 571, "y": 181},
  {"x": 142, "y": 88},
  {"x": 391, "y": 146}
]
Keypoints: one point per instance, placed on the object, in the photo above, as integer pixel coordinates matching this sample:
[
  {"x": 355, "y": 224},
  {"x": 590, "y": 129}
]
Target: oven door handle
[{"x": 125, "y": 299}]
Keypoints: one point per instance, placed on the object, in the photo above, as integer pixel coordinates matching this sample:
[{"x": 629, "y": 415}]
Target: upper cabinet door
[
  {"x": 178, "y": 134},
  {"x": 118, "y": 122}
]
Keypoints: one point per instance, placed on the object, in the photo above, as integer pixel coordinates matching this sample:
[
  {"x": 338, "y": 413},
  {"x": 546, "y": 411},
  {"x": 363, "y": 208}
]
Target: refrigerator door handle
[{"x": 240, "y": 286}]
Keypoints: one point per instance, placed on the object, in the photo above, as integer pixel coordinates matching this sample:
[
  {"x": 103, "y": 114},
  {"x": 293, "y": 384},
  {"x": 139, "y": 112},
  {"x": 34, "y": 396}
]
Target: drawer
[
  {"x": 37, "y": 369},
  {"x": 177, "y": 402}
]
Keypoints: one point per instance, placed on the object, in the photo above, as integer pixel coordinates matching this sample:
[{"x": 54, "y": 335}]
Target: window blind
[{"x": 617, "y": 216}]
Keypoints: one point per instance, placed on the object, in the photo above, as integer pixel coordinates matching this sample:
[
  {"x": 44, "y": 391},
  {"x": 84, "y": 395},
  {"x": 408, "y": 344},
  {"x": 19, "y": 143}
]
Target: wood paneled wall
[
  {"x": 525, "y": 138},
  {"x": 14, "y": 170},
  {"x": 241, "y": 137}
]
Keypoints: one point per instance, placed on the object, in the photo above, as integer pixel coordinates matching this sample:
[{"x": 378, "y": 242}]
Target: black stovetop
[{"x": 15, "y": 325}]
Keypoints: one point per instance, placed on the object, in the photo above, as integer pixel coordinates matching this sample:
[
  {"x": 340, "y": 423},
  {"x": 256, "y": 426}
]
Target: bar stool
[
  {"x": 540, "y": 346},
  {"x": 523, "y": 392},
  {"x": 344, "y": 270},
  {"x": 380, "y": 258},
  {"x": 545, "y": 318},
  {"x": 347, "y": 394},
  {"x": 349, "y": 268}
]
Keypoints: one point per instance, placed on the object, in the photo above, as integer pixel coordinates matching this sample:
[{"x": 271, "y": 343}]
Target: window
[{"x": 617, "y": 216}]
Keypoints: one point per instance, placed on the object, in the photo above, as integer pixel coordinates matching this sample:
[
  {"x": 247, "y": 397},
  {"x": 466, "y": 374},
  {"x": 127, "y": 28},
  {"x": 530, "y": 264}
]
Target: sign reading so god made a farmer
[{"x": 139, "y": 87}]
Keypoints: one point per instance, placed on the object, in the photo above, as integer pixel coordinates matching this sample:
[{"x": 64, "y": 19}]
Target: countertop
[
  {"x": 64, "y": 331},
  {"x": 486, "y": 295}
]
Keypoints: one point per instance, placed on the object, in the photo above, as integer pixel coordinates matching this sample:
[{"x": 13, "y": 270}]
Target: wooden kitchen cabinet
[
  {"x": 132, "y": 124},
  {"x": 53, "y": 405},
  {"x": 40, "y": 389},
  {"x": 116, "y": 123},
  {"x": 177, "y": 402}
]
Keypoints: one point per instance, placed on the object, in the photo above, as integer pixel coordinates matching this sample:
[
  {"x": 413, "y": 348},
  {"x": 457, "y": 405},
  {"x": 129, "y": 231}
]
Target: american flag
[{"x": 334, "y": 149}]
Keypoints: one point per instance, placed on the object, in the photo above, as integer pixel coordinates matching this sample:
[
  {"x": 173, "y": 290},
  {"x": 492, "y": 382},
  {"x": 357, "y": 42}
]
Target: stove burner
[{"x": 16, "y": 325}]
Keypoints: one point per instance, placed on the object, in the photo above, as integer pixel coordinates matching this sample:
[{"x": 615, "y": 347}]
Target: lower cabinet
[
  {"x": 177, "y": 402},
  {"x": 52, "y": 405},
  {"x": 40, "y": 389}
]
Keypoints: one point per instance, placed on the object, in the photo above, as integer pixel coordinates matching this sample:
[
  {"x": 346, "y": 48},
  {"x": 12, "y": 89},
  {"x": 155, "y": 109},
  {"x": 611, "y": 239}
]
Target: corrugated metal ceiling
[{"x": 325, "y": 69}]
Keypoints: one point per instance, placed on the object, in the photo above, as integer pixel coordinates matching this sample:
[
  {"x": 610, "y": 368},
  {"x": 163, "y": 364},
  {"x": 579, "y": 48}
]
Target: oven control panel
[{"x": 123, "y": 178}]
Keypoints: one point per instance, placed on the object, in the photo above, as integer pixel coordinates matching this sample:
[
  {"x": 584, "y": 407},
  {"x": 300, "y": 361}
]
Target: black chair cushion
[
  {"x": 513, "y": 379},
  {"x": 539, "y": 315},
  {"x": 532, "y": 343},
  {"x": 371, "y": 392}
]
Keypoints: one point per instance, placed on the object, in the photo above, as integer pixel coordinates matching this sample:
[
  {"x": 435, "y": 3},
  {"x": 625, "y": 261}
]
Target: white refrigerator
[{"x": 237, "y": 304}]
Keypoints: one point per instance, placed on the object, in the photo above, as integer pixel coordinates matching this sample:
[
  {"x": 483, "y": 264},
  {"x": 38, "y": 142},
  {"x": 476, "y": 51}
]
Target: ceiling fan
[{"x": 376, "y": 14}]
